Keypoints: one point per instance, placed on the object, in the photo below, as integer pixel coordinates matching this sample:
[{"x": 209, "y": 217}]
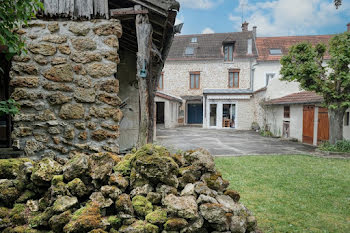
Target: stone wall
[{"x": 66, "y": 87}]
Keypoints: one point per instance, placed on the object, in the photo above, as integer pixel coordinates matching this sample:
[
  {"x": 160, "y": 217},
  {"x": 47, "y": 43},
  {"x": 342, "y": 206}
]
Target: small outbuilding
[{"x": 89, "y": 78}]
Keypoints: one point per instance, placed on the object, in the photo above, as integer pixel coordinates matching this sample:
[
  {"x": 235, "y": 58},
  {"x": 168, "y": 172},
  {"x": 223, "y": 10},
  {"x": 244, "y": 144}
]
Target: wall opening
[
  {"x": 160, "y": 112},
  {"x": 5, "y": 120}
]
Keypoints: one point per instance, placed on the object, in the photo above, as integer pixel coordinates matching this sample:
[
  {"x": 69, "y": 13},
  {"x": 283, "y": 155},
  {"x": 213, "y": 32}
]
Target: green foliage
[
  {"x": 337, "y": 3},
  {"x": 14, "y": 13},
  {"x": 305, "y": 64},
  {"x": 339, "y": 146},
  {"x": 9, "y": 107},
  {"x": 266, "y": 133}
]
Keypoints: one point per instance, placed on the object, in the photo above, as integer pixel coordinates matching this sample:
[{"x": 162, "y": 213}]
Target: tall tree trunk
[{"x": 336, "y": 117}]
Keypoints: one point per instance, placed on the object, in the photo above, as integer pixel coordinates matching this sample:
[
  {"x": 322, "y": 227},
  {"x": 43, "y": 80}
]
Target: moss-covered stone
[
  {"x": 124, "y": 166},
  {"x": 25, "y": 196},
  {"x": 44, "y": 171},
  {"x": 114, "y": 221},
  {"x": 150, "y": 228},
  {"x": 4, "y": 212},
  {"x": 8, "y": 194},
  {"x": 155, "y": 164},
  {"x": 101, "y": 164},
  {"x": 233, "y": 194},
  {"x": 215, "y": 181},
  {"x": 124, "y": 204},
  {"x": 41, "y": 219},
  {"x": 98, "y": 231},
  {"x": 85, "y": 219},
  {"x": 157, "y": 217},
  {"x": 175, "y": 224},
  {"x": 9, "y": 168},
  {"x": 18, "y": 214},
  {"x": 64, "y": 203},
  {"x": 57, "y": 222},
  {"x": 56, "y": 179},
  {"x": 77, "y": 188},
  {"x": 141, "y": 205}
]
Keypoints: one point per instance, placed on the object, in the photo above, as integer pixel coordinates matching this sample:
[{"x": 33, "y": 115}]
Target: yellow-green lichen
[
  {"x": 157, "y": 217},
  {"x": 141, "y": 205}
]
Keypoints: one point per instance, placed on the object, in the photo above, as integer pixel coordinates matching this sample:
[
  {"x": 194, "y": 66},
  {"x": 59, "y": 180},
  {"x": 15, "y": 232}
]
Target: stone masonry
[{"x": 66, "y": 88}]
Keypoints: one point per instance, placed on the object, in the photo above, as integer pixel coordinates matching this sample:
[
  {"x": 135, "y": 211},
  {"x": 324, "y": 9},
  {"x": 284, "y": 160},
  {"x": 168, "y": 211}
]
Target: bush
[
  {"x": 9, "y": 107},
  {"x": 339, "y": 146}
]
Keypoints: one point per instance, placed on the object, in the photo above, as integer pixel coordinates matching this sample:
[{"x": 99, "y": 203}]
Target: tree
[
  {"x": 13, "y": 14},
  {"x": 337, "y": 3},
  {"x": 330, "y": 79}
]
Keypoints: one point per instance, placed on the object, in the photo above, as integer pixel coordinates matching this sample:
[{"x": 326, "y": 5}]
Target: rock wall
[
  {"x": 148, "y": 191},
  {"x": 66, "y": 87}
]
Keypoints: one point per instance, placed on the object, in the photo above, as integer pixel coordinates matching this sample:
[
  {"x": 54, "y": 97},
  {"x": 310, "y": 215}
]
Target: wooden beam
[
  {"x": 127, "y": 11},
  {"x": 144, "y": 61}
]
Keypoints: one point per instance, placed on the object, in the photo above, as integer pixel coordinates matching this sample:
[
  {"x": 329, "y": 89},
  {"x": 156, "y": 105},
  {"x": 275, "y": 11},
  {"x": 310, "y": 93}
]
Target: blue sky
[{"x": 272, "y": 17}]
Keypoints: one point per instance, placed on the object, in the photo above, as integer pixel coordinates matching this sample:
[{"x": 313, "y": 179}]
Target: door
[
  {"x": 160, "y": 112},
  {"x": 308, "y": 124},
  {"x": 195, "y": 114},
  {"x": 323, "y": 125}
]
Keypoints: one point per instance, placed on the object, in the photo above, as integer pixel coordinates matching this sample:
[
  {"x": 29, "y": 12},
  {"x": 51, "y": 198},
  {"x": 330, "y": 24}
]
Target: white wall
[
  {"x": 276, "y": 88},
  {"x": 171, "y": 112}
]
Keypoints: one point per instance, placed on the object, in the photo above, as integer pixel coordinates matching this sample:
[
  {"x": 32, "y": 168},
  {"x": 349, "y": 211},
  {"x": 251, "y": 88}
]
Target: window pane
[
  {"x": 213, "y": 114},
  {"x": 230, "y": 53},
  {"x": 226, "y": 53},
  {"x": 230, "y": 84},
  {"x": 160, "y": 82},
  {"x": 197, "y": 81},
  {"x": 192, "y": 81},
  {"x": 236, "y": 79}
]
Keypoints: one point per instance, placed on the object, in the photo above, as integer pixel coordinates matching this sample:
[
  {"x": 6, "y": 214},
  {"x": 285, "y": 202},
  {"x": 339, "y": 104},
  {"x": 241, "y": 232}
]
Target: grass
[
  {"x": 292, "y": 193},
  {"x": 339, "y": 146}
]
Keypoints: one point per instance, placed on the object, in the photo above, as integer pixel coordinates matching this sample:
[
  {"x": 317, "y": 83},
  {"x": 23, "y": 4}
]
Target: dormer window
[
  {"x": 275, "y": 51},
  {"x": 189, "y": 51},
  {"x": 228, "y": 50},
  {"x": 194, "y": 40}
]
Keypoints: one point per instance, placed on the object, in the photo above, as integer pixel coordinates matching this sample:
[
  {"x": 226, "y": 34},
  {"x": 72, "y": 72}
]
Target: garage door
[{"x": 195, "y": 114}]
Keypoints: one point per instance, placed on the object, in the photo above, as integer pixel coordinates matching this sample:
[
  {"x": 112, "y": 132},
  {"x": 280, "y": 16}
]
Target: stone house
[
  {"x": 89, "y": 78},
  {"x": 212, "y": 73},
  {"x": 283, "y": 107}
]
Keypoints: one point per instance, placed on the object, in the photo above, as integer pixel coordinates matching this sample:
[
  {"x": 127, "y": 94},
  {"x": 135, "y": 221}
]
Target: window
[
  {"x": 347, "y": 119},
  {"x": 275, "y": 51},
  {"x": 233, "y": 79},
  {"x": 161, "y": 82},
  {"x": 228, "y": 50},
  {"x": 194, "y": 40},
  {"x": 189, "y": 51},
  {"x": 269, "y": 77},
  {"x": 194, "y": 80},
  {"x": 286, "y": 111}
]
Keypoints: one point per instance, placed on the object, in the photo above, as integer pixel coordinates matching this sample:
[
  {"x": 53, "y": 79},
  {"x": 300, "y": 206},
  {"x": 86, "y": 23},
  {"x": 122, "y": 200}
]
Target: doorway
[
  {"x": 213, "y": 115},
  {"x": 160, "y": 112},
  {"x": 5, "y": 120},
  {"x": 308, "y": 124},
  {"x": 195, "y": 113},
  {"x": 229, "y": 115},
  {"x": 323, "y": 126}
]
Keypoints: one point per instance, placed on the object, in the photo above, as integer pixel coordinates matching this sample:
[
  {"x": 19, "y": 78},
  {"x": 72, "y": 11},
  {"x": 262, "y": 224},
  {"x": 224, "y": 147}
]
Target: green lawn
[{"x": 292, "y": 193}]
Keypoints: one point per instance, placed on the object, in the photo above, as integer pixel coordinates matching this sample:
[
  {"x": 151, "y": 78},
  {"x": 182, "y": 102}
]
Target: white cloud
[
  {"x": 289, "y": 17},
  {"x": 208, "y": 31},
  {"x": 179, "y": 19},
  {"x": 200, "y": 4}
]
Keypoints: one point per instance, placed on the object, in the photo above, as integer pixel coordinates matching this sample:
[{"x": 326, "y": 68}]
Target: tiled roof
[
  {"x": 168, "y": 96},
  {"x": 264, "y": 44},
  {"x": 209, "y": 46},
  {"x": 305, "y": 97}
]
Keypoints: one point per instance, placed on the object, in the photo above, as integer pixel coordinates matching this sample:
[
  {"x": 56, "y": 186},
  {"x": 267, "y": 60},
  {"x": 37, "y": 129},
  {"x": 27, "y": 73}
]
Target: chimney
[
  {"x": 348, "y": 27},
  {"x": 245, "y": 26},
  {"x": 254, "y": 31}
]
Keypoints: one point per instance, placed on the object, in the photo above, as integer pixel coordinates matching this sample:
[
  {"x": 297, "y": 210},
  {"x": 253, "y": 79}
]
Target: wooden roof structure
[{"x": 161, "y": 13}]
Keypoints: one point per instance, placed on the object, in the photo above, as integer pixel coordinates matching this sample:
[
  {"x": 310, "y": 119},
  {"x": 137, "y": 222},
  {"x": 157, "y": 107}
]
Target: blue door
[{"x": 195, "y": 114}]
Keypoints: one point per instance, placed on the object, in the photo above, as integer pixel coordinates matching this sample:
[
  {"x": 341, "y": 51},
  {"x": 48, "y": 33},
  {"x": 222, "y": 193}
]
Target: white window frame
[{"x": 266, "y": 76}]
